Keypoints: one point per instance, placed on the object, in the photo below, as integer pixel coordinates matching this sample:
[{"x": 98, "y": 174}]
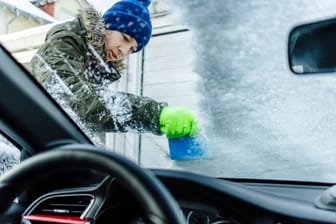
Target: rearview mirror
[{"x": 312, "y": 48}]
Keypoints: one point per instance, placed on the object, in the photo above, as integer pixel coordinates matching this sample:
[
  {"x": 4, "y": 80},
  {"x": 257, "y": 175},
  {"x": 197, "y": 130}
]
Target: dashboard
[{"x": 202, "y": 200}]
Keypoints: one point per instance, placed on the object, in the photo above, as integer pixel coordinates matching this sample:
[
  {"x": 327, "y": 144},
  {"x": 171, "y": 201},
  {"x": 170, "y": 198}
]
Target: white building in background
[
  {"x": 23, "y": 14},
  {"x": 19, "y": 15},
  {"x": 166, "y": 62}
]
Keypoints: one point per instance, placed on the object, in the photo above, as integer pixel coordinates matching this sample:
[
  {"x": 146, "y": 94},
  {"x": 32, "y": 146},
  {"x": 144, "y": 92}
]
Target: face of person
[{"x": 118, "y": 45}]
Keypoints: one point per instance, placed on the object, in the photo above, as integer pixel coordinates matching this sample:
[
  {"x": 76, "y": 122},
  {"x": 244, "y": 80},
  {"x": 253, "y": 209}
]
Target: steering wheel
[{"x": 159, "y": 205}]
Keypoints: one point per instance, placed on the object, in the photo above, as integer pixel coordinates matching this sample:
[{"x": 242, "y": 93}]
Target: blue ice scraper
[{"x": 186, "y": 148}]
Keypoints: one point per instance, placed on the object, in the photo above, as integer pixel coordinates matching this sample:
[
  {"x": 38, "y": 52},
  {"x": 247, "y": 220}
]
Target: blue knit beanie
[{"x": 131, "y": 17}]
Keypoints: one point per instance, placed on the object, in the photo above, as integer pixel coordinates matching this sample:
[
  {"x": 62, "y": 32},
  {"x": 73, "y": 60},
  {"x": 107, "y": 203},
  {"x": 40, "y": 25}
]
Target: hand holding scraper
[{"x": 181, "y": 128}]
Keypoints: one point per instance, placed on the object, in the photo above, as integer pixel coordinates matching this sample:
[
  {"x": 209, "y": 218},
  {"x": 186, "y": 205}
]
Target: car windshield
[{"x": 226, "y": 61}]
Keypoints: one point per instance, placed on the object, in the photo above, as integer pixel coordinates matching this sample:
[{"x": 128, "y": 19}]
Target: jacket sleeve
[
  {"x": 132, "y": 112},
  {"x": 59, "y": 65}
]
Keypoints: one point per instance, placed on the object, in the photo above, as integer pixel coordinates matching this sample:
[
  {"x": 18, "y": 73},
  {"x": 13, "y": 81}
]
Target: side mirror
[{"x": 312, "y": 48}]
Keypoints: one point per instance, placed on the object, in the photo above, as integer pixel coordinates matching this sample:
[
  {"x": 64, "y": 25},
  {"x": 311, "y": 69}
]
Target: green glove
[{"x": 177, "y": 122}]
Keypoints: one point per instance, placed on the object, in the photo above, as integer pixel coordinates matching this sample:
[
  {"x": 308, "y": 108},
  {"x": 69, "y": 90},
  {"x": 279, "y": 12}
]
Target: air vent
[{"x": 73, "y": 206}]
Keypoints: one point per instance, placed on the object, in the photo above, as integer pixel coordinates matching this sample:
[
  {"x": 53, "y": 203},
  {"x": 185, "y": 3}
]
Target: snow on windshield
[
  {"x": 9, "y": 155},
  {"x": 261, "y": 120},
  {"x": 264, "y": 121}
]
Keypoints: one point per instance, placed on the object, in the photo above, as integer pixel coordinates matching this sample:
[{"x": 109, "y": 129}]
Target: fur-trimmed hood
[{"x": 95, "y": 30}]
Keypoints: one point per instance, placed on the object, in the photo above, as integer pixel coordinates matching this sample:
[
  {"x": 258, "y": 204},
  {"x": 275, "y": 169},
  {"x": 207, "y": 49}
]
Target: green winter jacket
[{"x": 67, "y": 59}]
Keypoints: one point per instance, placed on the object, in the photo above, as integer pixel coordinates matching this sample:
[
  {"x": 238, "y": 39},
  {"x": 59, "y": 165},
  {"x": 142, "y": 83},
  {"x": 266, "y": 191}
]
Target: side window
[{"x": 9, "y": 155}]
